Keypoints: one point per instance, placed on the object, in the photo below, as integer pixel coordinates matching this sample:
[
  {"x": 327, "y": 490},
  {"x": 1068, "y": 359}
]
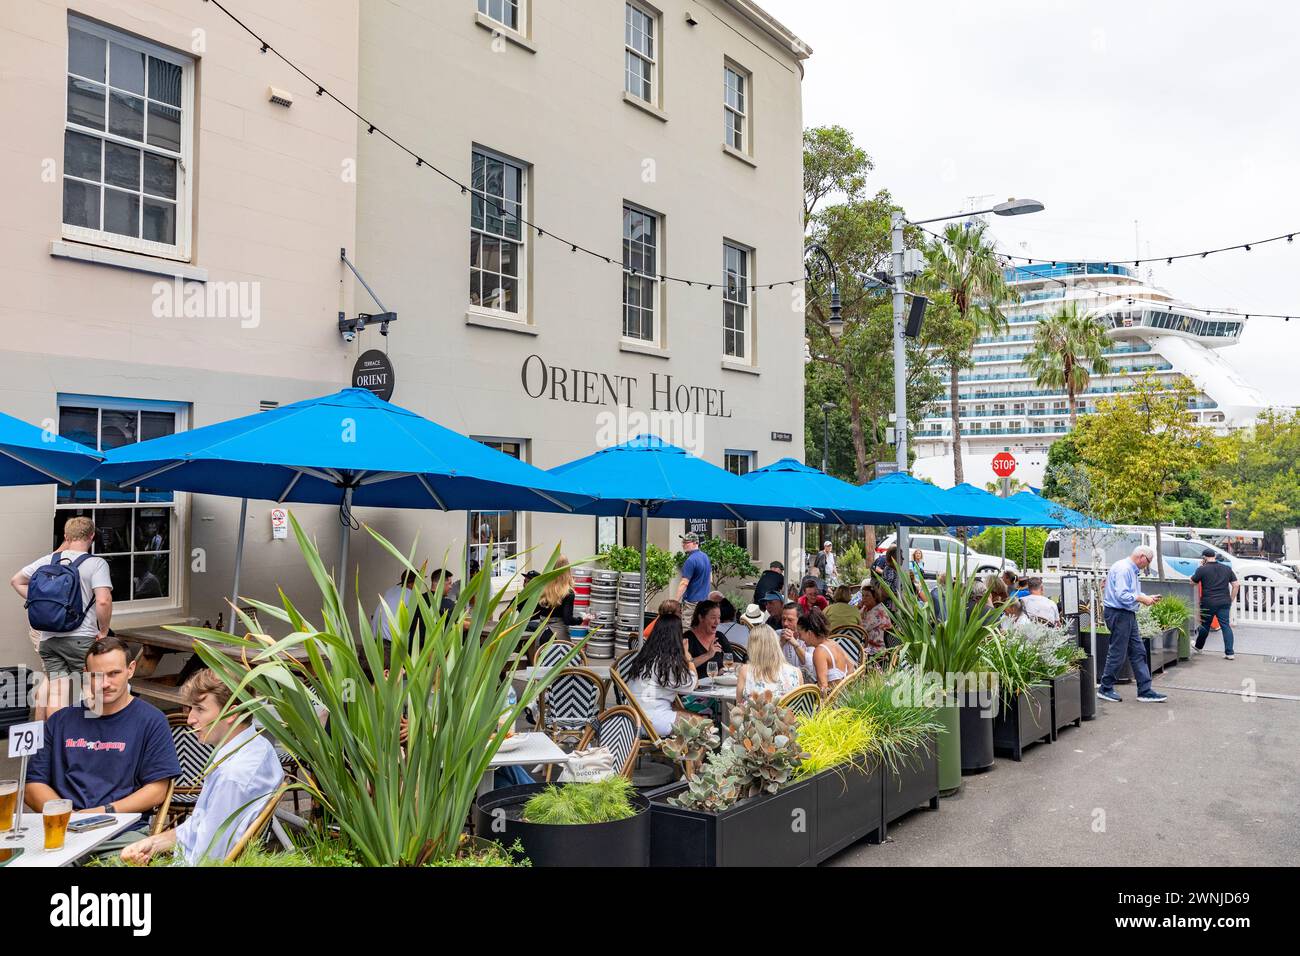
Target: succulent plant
[
  {"x": 693, "y": 738},
  {"x": 714, "y": 787}
]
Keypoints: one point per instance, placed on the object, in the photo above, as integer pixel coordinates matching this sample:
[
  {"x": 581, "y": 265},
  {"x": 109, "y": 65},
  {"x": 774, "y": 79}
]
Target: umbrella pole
[
  {"x": 643, "y": 548},
  {"x": 343, "y": 561},
  {"x": 786, "y": 570},
  {"x": 239, "y": 561},
  {"x": 1004, "y": 550}
]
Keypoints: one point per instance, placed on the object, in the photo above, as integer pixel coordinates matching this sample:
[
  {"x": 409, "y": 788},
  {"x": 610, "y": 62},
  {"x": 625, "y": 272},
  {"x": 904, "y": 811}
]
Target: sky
[{"x": 1152, "y": 125}]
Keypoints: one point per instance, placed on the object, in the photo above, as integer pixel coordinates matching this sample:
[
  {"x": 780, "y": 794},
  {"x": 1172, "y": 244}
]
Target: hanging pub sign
[
  {"x": 699, "y": 526},
  {"x": 374, "y": 373}
]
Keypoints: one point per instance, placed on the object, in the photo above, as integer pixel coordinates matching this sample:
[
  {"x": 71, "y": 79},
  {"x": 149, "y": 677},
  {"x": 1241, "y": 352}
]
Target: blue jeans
[
  {"x": 1125, "y": 639},
  {"x": 1209, "y": 613}
]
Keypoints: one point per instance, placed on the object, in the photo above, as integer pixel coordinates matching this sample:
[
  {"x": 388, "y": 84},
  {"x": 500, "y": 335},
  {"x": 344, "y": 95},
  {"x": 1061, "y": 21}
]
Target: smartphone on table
[{"x": 92, "y": 823}]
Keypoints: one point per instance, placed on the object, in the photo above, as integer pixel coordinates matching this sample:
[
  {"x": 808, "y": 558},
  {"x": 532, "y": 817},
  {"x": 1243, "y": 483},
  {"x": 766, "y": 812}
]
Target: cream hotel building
[{"x": 176, "y": 200}]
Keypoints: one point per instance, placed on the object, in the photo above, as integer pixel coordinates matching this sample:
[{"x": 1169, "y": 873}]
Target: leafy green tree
[
  {"x": 1062, "y": 462},
  {"x": 1261, "y": 474},
  {"x": 1143, "y": 448},
  {"x": 966, "y": 264},
  {"x": 1020, "y": 542},
  {"x": 1014, "y": 486},
  {"x": 726, "y": 560},
  {"x": 659, "y": 567},
  {"x": 1068, "y": 350}
]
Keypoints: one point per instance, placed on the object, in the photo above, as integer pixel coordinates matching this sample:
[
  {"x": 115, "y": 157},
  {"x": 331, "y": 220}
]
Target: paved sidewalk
[{"x": 1210, "y": 778}]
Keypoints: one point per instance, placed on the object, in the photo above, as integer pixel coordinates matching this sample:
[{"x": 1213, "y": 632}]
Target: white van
[{"x": 938, "y": 551}]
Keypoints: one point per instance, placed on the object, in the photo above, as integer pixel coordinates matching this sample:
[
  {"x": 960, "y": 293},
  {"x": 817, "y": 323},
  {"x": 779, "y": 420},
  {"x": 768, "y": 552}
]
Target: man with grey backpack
[{"x": 69, "y": 599}]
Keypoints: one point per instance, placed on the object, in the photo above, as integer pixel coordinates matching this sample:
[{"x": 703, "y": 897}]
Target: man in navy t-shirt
[
  {"x": 113, "y": 755},
  {"x": 697, "y": 577}
]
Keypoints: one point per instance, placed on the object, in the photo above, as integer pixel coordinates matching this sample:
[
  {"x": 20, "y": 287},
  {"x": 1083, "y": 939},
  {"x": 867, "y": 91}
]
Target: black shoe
[{"x": 1109, "y": 695}]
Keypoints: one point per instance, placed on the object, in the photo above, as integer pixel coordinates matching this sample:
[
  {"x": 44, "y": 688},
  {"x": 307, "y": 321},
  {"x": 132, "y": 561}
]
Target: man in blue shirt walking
[
  {"x": 1120, "y": 602},
  {"x": 697, "y": 577}
]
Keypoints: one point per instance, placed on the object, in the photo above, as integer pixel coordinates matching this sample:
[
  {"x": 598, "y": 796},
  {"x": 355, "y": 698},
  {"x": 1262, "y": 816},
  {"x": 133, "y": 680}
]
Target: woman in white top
[
  {"x": 767, "y": 670},
  {"x": 662, "y": 670},
  {"x": 829, "y": 660}
]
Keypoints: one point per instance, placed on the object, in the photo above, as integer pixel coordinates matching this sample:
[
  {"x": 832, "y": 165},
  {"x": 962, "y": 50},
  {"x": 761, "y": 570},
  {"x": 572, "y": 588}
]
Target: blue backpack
[{"x": 54, "y": 596}]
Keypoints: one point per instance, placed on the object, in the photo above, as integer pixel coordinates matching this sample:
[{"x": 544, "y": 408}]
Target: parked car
[{"x": 938, "y": 551}]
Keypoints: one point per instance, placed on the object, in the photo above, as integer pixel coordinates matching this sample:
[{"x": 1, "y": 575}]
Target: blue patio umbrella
[
  {"x": 34, "y": 456},
  {"x": 793, "y": 481},
  {"x": 931, "y": 505},
  {"x": 347, "y": 449},
  {"x": 655, "y": 479},
  {"x": 1040, "y": 512},
  {"x": 991, "y": 508}
]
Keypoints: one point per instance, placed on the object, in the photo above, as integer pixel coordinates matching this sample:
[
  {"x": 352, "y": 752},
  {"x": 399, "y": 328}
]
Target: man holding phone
[{"x": 1122, "y": 597}]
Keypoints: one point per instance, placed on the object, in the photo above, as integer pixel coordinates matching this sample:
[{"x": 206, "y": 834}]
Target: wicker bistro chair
[
  {"x": 619, "y": 729},
  {"x": 552, "y": 652},
  {"x": 183, "y": 792},
  {"x": 803, "y": 700},
  {"x": 622, "y": 666},
  {"x": 853, "y": 639},
  {"x": 570, "y": 704},
  {"x": 849, "y": 678},
  {"x": 257, "y": 828}
]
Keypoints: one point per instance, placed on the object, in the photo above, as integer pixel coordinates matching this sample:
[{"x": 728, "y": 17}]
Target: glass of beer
[
  {"x": 56, "y": 813},
  {"x": 8, "y": 803}
]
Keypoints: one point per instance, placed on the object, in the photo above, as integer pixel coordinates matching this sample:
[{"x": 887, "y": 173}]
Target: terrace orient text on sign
[{"x": 581, "y": 386}]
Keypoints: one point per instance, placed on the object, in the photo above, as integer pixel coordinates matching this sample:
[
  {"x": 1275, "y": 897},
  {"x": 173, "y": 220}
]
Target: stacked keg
[
  {"x": 581, "y": 600},
  {"x": 604, "y": 593},
  {"x": 628, "y": 623}
]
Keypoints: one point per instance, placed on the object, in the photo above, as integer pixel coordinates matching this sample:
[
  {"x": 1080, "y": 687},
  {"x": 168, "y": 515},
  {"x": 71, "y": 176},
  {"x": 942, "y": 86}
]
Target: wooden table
[
  {"x": 156, "y": 642},
  {"x": 75, "y": 845}
]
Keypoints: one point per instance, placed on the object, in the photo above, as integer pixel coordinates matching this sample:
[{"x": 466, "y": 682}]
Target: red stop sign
[{"x": 1004, "y": 464}]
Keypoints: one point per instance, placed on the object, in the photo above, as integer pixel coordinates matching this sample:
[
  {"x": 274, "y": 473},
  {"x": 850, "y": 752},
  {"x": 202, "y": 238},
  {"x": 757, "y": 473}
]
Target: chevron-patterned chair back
[
  {"x": 552, "y": 653},
  {"x": 183, "y": 792},
  {"x": 803, "y": 700},
  {"x": 852, "y": 644},
  {"x": 570, "y": 705},
  {"x": 619, "y": 729},
  {"x": 623, "y": 667}
]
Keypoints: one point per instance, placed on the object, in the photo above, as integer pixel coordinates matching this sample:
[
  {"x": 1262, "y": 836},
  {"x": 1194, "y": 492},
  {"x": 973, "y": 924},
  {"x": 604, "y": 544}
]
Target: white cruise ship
[{"x": 1003, "y": 409}]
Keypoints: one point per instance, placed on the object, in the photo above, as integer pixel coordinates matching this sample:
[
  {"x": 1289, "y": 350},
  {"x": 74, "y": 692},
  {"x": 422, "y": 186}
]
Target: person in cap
[
  {"x": 772, "y": 603},
  {"x": 1219, "y": 587},
  {"x": 825, "y": 563},
  {"x": 697, "y": 576},
  {"x": 773, "y": 579}
]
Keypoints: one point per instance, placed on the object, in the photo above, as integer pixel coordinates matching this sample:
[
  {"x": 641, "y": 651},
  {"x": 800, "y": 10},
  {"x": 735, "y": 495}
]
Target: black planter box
[
  {"x": 1088, "y": 688},
  {"x": 761, "y": 831},
  {"x": 916, "y": 782},
  {"x": 618, "y": 843},
  {"x": 1125, "y": 673},
  {"x": 1023, "y": 721},
  {"x": 976, "y": 726},
  {"x": 850, "y": 804},
  {"x": 1067, "y": 707},
  {"x": 1164, "y": 650}
]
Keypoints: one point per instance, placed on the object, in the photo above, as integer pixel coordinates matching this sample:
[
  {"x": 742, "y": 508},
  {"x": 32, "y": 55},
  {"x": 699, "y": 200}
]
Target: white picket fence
[
  {"x": 1259, "y": 603},
  {"x": 1268, "y": 604}
]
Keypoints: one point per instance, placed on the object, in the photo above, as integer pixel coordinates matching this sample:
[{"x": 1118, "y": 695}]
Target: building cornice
[{"x": 799, "y": 50}]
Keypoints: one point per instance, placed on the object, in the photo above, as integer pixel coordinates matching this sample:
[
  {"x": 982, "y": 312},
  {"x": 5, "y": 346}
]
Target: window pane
[
  {"x": 80, "y": 204},
  {"x": 164, "y": 127},
  {"x": 85, "y": 54},
  {"x": 85, "y": 103},
  {"x": 121, "y": 213},
  {"x": 119, "y": 571},
  {"x": 160, "y": 175},
  {"x": 81, "y": 155},
  {"x": 164, "y": 81},
  {"x": 80, "y": 425},
  {"x": 475, "y": 297},
  {"x": 509, "y": 258},
  {"x": 112, "y": 531},
  {"x": 151, "y": 576},
  {"x": 159, "y": 221},
  {"x": 153, "y": 529},
  {"x": 126, "y": 115},
  {"x": 509, "y": 294},
  {"x": 121, "y": 166},
  {"x": 126, "y": 68},
  {"x": 490, "y": 253}
]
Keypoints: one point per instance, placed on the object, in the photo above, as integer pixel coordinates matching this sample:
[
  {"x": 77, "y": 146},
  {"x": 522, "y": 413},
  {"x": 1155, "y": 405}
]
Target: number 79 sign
[{"x": 26, "y": 739}]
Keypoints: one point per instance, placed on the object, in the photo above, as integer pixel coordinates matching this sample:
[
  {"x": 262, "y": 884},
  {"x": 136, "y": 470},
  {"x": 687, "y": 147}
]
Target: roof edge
[{"x": 773, "y": 28}]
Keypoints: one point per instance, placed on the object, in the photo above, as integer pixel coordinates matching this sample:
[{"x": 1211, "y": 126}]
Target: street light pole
[
  {"x": 827, "y": 408},
  {"x": 897, "y": 221}
]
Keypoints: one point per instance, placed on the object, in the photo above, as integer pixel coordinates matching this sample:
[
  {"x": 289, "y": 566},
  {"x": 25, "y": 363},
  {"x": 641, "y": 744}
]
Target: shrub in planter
[
  {"x": 570, "y": 824},
  {"x": 743, "y": 805},
  {"x": 846, "y": 776},
  {"x": 1026, "y": 658}
]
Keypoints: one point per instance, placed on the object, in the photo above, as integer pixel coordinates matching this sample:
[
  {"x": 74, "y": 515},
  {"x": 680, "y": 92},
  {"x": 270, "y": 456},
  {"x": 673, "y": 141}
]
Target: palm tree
[
  {"x": 966, "y": 265},
  {"x": 1068, "y": 350},
  {"x": 1014, "y": 485}
]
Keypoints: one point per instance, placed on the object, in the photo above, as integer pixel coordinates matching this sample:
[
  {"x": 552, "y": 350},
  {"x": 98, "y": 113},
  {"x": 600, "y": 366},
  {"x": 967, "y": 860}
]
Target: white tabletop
[
  {"x": 536, "y": 673},
  {"x": 75, "y": 845},
  {"x": 531, "y": 749},
  {"x": 725, "y": 692}
]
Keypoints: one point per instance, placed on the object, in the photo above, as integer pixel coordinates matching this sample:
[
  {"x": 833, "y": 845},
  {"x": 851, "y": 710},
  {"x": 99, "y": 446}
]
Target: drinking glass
[
  {"x": 56, "y": 814},
  {"x": 728, "y": 663},
  {"x": 8, "y": 803},
  {"x": 712, "y": 669}
]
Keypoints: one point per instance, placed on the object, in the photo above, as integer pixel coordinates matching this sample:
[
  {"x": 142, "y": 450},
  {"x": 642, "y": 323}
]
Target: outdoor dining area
[{"x": 466, "y": 730}]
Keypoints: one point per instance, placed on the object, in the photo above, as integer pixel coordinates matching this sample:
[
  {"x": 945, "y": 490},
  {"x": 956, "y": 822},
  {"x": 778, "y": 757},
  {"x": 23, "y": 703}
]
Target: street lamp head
[
  {"x": 829, "y": 407},
  {"x": 837, "y": 315},
  {"x": 1017, "y": 207}
]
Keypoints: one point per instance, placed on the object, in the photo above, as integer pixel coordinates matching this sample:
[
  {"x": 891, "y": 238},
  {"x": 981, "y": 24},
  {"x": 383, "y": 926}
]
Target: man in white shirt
[
  {"x": 244, "y": 773},
  {"x": 64, "y": 652},
  {"x": 1037, "y": 606}
]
